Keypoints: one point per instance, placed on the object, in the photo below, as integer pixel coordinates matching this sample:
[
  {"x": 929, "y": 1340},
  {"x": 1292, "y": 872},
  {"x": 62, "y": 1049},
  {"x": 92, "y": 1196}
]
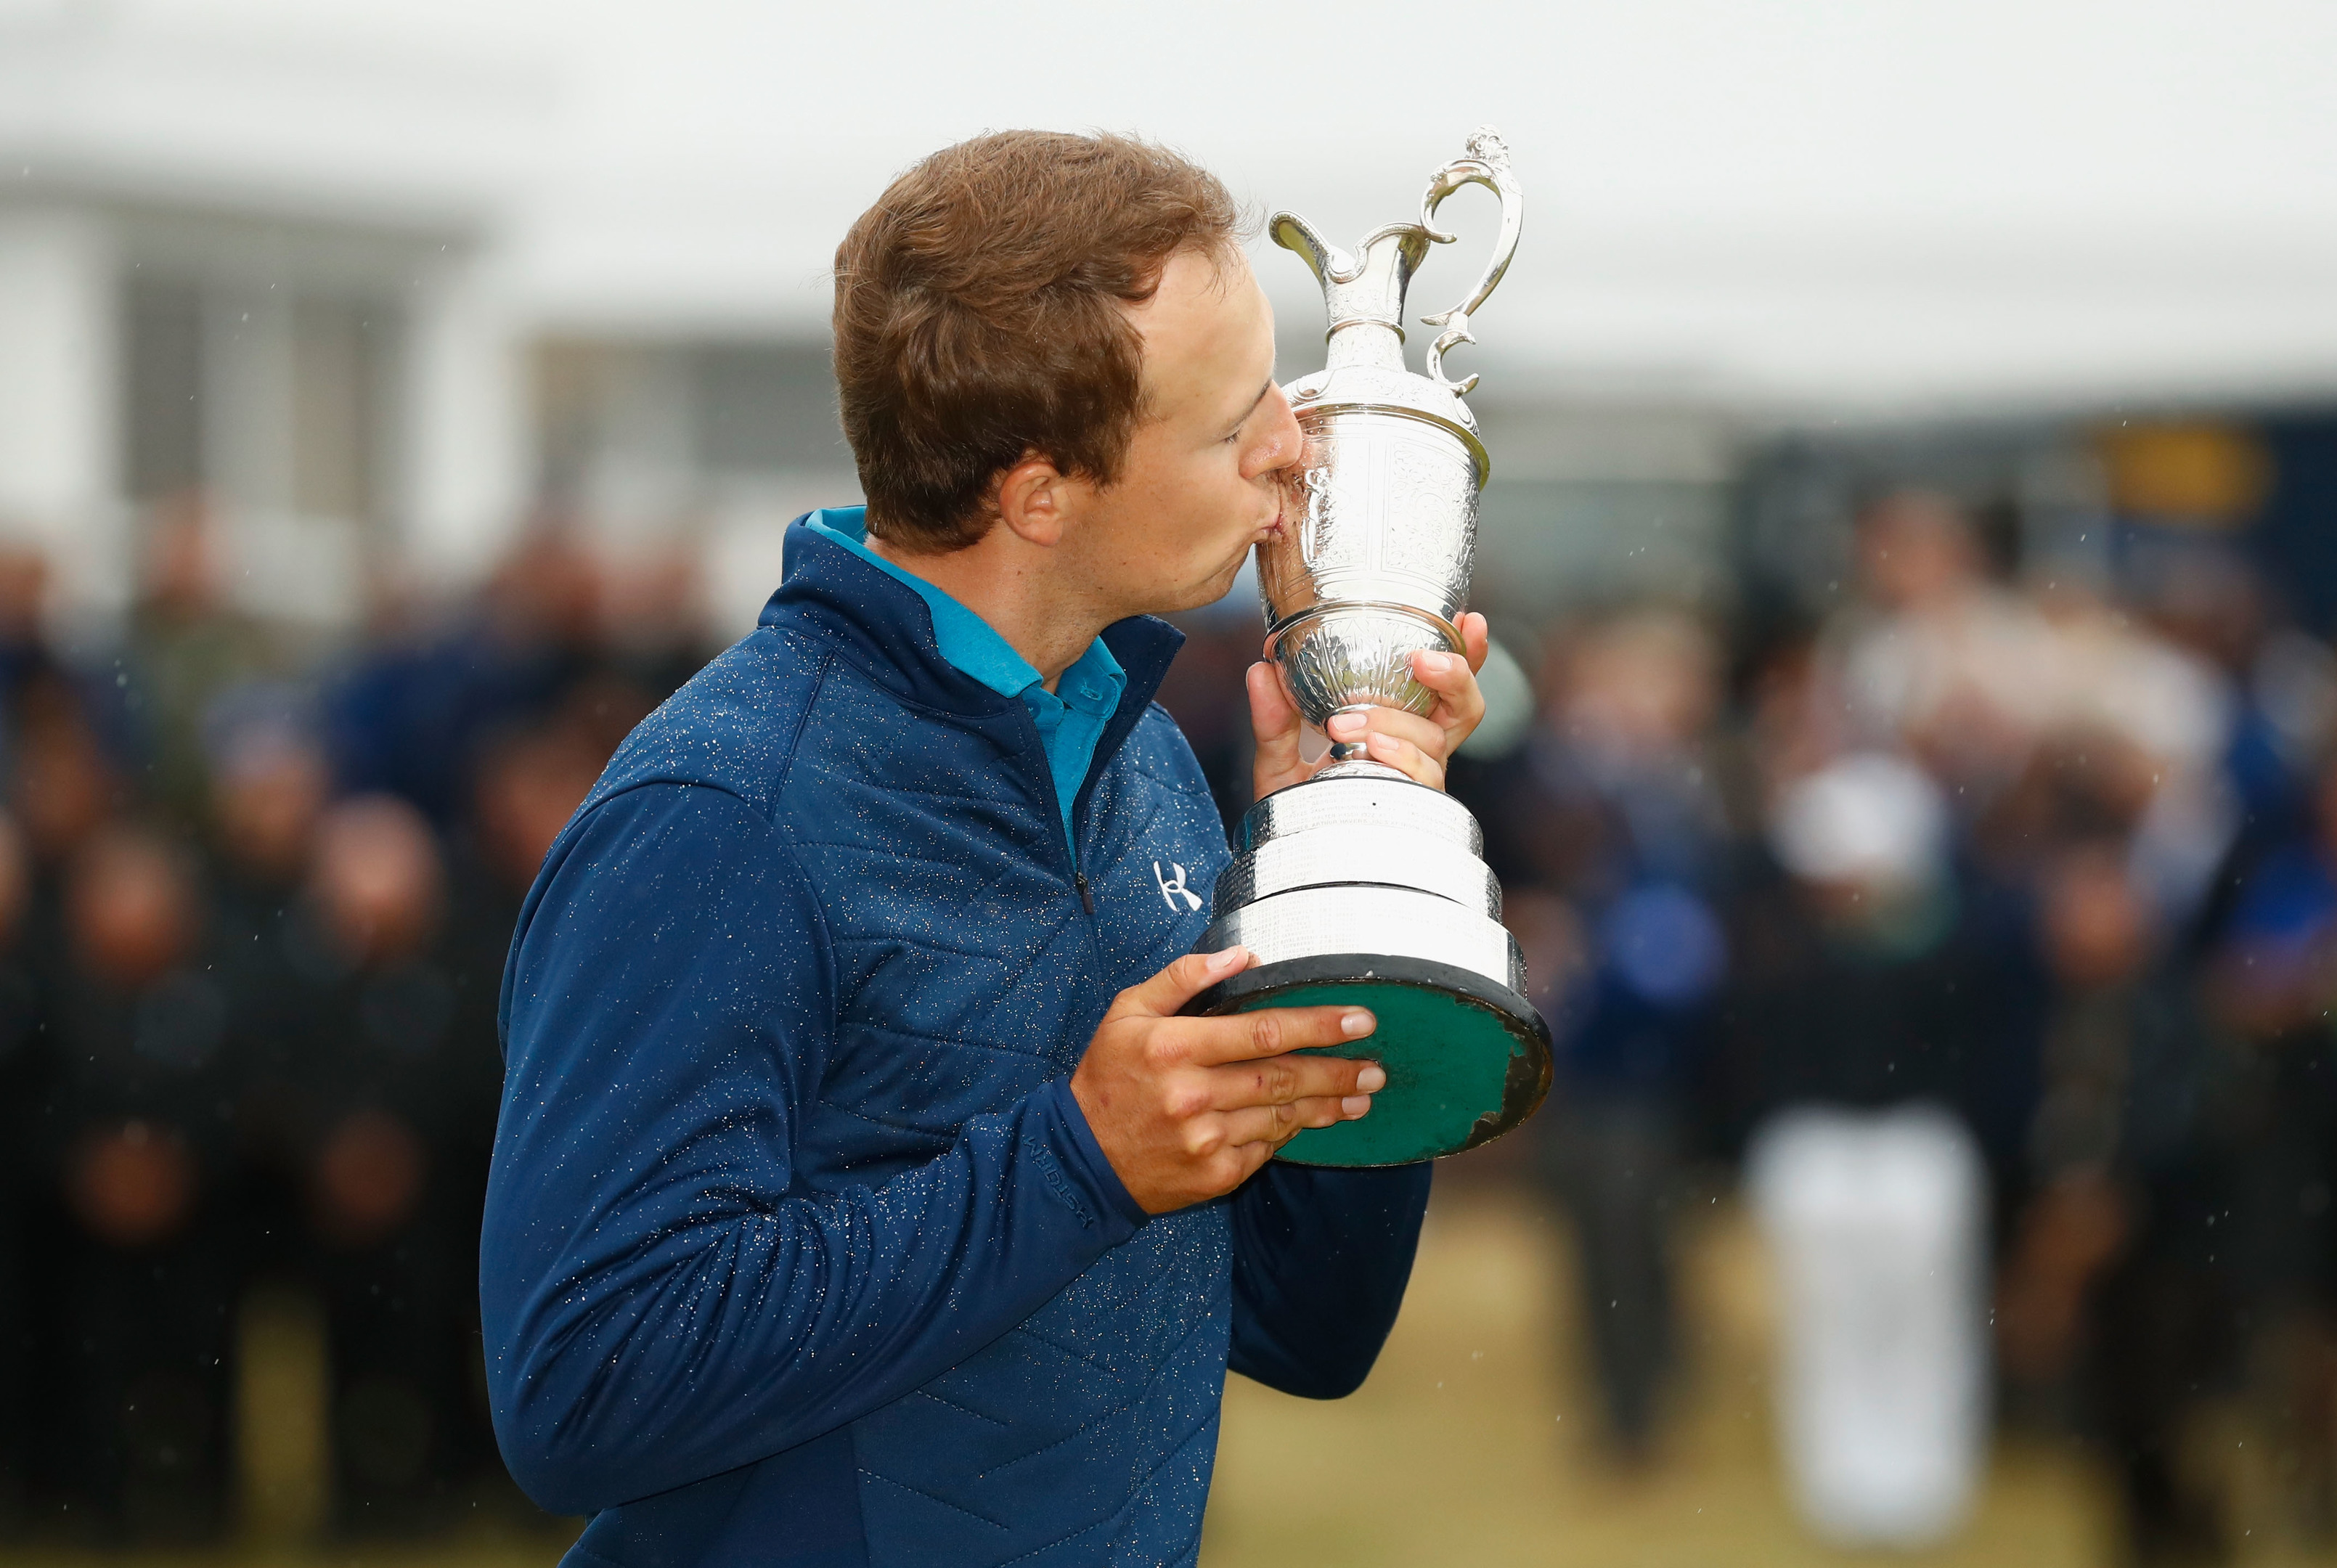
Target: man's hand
[
  {"x": 1189, "y": 1108},
  {"x": 1417, "y": 746}
]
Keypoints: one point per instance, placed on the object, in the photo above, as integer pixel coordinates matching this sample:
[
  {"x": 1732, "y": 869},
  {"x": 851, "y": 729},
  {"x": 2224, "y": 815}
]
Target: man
[{"x": 859, "y": 1197}]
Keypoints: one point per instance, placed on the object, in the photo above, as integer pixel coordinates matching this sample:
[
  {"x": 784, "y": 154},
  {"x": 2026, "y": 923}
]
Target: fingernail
[
  {"x": 1354, "y": 1106},
  {"x": 1231, "y": 959},
  {"x": 1344, "y": 722},
  {"x": 1383, "y": 744},
  {"x": 1355, "y": 1023},
  {"x": 1437, "y": 663},
  {"x": 1371, "y": 1080}
]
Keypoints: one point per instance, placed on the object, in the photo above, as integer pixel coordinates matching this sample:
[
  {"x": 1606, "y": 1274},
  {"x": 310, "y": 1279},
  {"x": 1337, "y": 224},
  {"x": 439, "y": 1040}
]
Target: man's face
[{"x": 1204, "y": 477}]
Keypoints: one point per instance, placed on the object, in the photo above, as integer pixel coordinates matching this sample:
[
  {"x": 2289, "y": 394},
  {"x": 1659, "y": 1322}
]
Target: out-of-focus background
[{"x": 1912, "y": 548}]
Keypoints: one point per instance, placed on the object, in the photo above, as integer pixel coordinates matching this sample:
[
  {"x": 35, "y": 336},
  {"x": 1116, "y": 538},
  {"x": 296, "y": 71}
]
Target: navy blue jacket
[{"x": 798, "y": 1248}]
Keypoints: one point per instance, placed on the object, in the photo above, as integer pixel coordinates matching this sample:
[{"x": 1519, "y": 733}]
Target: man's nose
[{"x": 1283, "y": 439}]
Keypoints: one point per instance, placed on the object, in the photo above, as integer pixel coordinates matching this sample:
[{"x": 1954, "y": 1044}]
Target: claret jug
[{"x": 1359, "y": 885}]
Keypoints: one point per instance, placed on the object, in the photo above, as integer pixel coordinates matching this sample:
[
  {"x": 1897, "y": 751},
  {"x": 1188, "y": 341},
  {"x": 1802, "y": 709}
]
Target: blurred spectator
[
  {"x": 2267, "y": 1130},
  {"x": 136, "y": 1137},
  {"x": 64, "y": 785},
  {"x": 24, "y": 603},
  {"x": 654, "y": 613},
  {"x": 1609, "y": 837},
  {"x": 1974, "y": 680},
  {"x": 409, "y": 716},
  {"x": 1874, "y": 966},
  {"x": 528, "y": 784},
  {"x": 267, "y": 782},
  {"x": 23, "y": 1069},
  {"x": 1876, "y": 1023},
  {"x": 1938, "y": 658},
  {"x": 270, "y": 787},
  {"x": 186, "y": 646},
  {"x": 384, "y": 1196},
  {"x": 2095, "y": 933},
  {"x": 2108, "y": 1272}
]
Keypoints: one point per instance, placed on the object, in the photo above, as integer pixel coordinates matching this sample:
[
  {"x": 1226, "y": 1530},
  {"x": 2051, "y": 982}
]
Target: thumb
[
  {"x": 1163, "y": 994},
  {"x": 1476, "y": 639}
]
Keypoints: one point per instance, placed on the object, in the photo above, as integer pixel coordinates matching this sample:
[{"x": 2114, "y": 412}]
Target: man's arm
[
  {"x": 1321, "y": 1257},
  {"x": 662, "y": 1302}
]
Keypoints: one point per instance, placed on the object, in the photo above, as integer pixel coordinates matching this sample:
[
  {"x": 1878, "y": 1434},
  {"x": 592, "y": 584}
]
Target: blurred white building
[
  {"x": 342, "y": 293},
  {"x": 650, "y": 432},
  {"x": 252, "y": 273},
  {"x": 380, "y": 278}
]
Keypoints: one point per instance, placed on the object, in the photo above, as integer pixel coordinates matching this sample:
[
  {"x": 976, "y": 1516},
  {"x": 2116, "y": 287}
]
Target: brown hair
[{"x": 978, "y": 317}]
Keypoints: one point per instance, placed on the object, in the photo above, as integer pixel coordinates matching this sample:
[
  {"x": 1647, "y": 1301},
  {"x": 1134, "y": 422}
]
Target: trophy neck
[
  {"x": 1363, "y": 295},
  {"x": 1375, "y": 344},
  {"x": 1366, "y": 304}
]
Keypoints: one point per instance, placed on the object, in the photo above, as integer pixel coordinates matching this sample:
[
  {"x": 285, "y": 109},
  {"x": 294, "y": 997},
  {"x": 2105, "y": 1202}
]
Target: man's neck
[{"x": 1018, "y": 588}]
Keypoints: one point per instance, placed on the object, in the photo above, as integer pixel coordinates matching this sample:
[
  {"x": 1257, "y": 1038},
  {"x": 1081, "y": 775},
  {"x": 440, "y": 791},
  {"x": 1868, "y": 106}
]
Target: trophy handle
[{"x": 1487, "y": 164}]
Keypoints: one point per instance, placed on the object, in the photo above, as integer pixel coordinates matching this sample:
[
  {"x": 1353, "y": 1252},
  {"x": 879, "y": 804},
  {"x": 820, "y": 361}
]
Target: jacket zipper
[{"x": 1087, "y": 894}]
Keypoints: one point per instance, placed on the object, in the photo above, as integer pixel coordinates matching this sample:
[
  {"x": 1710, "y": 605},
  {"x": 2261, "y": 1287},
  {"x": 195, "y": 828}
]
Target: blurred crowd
[
  {"x": 255, "y": 896},
  {"x": 1986, "y": 922}
]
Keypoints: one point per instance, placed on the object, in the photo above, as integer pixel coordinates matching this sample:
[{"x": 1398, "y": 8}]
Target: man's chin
[
  {"x": 1198, "y": 595},
  {"x": 1223, "y": 583}
]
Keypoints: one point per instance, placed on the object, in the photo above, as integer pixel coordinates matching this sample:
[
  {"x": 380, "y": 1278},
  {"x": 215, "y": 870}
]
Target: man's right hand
[{"x": 1187, "y": 1109}]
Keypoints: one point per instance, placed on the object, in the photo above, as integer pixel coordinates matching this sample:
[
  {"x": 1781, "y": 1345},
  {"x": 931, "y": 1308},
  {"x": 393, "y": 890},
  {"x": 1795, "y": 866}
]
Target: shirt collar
[{"x": 970, "y": 644}]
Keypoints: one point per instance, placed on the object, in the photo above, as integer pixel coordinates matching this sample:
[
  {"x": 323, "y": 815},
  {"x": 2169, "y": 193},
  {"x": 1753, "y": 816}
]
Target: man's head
[{"x": 1059, "y": 334}]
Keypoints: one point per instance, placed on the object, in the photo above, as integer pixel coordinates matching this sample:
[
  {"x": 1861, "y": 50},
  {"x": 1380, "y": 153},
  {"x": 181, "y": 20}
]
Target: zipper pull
[{"x": 1087, "y": 894}]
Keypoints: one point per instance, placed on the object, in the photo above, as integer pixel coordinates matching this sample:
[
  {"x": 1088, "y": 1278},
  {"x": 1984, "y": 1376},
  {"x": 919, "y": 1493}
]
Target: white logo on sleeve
[{"x": 1174, "y": 888}]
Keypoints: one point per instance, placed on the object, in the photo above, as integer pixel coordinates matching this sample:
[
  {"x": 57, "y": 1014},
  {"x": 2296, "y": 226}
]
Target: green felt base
[{"x": 1467, "y": 1059}]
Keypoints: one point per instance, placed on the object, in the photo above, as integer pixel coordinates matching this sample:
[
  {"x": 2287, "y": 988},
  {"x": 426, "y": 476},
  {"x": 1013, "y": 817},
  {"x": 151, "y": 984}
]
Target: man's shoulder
[
  {"x": 733, "y": 726},
  {"x": 1157, "y": 749}
]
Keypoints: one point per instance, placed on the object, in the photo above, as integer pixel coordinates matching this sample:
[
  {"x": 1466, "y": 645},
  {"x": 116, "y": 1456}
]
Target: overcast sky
[{"x": 1809, "y": 200}]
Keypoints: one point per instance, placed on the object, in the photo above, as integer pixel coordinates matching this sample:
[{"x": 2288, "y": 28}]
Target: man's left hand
[{"x": 1415, "y": 746}]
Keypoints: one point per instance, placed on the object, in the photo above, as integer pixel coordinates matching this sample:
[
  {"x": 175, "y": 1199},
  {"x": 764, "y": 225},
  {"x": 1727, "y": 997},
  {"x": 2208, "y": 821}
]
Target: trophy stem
[{"x": 1357, "y": 767}]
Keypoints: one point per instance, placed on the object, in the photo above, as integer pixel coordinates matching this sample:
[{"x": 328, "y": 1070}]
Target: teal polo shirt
[{"x": 1071, "y": 718}]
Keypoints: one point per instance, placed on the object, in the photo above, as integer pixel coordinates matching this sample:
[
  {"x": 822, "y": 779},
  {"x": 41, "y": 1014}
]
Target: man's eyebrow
[{"x": 1254, "y": 402}]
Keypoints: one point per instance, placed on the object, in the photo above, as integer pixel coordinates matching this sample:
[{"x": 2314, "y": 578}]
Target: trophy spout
[
  {"x": 1363, "y": 295},
  {"x": 1329, "y": 265}
]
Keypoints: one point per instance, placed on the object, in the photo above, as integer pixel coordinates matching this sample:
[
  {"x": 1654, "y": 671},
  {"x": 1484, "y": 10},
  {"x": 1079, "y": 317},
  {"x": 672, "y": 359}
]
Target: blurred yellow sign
[{"x": 2199, "y": 475}]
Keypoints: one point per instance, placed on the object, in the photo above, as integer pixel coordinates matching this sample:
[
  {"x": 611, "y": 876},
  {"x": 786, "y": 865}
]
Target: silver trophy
[{"x": 1360, "y": 885}]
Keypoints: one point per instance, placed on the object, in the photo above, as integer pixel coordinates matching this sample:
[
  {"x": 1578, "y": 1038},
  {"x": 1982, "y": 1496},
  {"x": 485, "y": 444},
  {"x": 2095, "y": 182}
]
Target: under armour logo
[{"x": 1174, "y": 888}]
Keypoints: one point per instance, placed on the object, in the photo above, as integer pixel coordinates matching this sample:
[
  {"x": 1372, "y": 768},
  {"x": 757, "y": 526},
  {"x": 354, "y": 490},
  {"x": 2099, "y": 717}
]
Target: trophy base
[{"x": 1467, "y": 1058}]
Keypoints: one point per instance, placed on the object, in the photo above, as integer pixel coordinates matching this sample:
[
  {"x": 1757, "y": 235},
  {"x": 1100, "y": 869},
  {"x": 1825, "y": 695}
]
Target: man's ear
[{"x": 1036, "y": 500}]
